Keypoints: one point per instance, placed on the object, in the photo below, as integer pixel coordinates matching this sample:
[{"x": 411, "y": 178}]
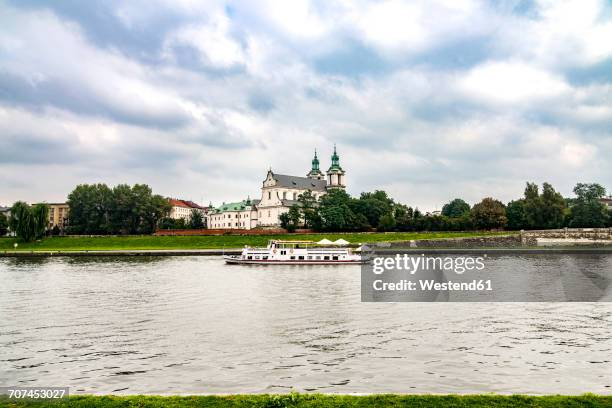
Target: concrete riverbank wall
[{"x": 522, "y": 239}]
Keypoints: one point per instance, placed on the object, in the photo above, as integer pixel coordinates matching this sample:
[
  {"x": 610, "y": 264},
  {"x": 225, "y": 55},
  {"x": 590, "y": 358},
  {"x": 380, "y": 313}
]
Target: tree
[
  {"x": 373, "y": 206},
  {"x": 291, "y": 219},
  {"x": 3, "y": 225},
  {"x": 22, "y": 222},
  {"x": 97, "y": 209},
  {"x": 294, "y": 215},
  {"x": 285, "y": 222},
  {"x": 515, "y": 213},
  {"x": 167, "y": 223},
  {"x": 28, "y": 222},
  {"x": 543, "y": 211},
  {"x": 456, "y": 208},
  {"x": 532, "y": 207},
  {"x": 336, "y": 215},
  {"x": 386, "y": 223},
  {"x": 488, "y": 214},
  {"x": 180, "y": 223},
  {"x": 89, "y": 209},
  {"x": 40, "y": 218},
  {"x": 336, "y": 218},
  {"x": 309, "y": 210},
  {"x": 588, "y": 211},
  {"x": 196, "y": 220},
  {"x": 553, "y": 207}
]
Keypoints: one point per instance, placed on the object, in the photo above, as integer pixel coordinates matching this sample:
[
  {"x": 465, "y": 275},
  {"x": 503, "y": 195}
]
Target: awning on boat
[
  {"x": 324, "y": 241},
  {"x": 341, "y": 242}
]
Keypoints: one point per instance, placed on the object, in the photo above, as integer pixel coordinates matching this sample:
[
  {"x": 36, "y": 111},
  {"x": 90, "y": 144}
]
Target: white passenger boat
[{"x": 296, "y": 253}]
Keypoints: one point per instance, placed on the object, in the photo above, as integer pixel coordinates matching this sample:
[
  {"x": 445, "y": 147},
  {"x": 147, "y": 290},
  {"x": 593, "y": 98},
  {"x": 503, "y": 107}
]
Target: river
[{"x": 192, "y": 325}]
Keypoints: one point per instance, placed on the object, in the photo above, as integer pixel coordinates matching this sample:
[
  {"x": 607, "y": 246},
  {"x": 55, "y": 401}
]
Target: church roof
[
  {"x": 237, "y": 206},
  {"x": 302, "y": 183}
]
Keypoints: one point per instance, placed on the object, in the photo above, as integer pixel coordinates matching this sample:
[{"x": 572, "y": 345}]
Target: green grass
[
  {"x": 318, "y": 400},
  {"x": 209, "y": 242}
]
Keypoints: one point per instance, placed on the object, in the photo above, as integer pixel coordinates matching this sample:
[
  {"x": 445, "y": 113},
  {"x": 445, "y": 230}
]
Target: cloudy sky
[{"x": 429, "y": 100}]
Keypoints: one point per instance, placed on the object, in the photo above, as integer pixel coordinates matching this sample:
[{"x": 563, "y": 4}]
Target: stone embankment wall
[
  {"x": 494, "y": 241},
  {"x": 566, "y": 236}
]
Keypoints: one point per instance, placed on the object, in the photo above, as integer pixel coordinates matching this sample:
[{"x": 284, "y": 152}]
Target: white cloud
[
  {"x": 562, "y": 34},
  {"x": 413, "y": 27},
  {"x": 297, "y": 18},
  {"x": 213, "y": 41},
  {"x": 48, "y": 53},
  {"x": 425, "y": 131},
  {"x": 510, "y": 83}
]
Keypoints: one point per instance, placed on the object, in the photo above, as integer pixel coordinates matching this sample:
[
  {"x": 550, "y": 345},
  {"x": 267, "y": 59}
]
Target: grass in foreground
[
  {"x": 319, "y": 400},
  {"x": 213, "y": 242}
]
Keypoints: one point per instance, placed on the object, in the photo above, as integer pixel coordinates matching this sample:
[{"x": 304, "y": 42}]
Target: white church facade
[{"x": 278, "y": 193}]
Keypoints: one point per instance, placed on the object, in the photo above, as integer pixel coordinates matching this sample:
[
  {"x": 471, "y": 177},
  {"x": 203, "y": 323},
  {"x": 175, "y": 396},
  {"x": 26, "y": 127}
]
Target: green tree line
[
  {"x": 537, "y": 209},
  {"x": 123, "y": 209}
]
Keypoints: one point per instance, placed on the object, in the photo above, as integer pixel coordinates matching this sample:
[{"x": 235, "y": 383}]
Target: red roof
[
  {"x": 194, "y": 205},
  {"x": 174, "y": 202},
  {"x": 177, "y": 203}
]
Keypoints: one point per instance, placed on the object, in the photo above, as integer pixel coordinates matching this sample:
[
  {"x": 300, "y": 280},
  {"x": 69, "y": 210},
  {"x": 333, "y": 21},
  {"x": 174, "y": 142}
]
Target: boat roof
[{"x": 278, "y": 241}]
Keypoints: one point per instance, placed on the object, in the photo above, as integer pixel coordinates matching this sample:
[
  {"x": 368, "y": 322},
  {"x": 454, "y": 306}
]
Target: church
[{"x": 278, "y": 193}]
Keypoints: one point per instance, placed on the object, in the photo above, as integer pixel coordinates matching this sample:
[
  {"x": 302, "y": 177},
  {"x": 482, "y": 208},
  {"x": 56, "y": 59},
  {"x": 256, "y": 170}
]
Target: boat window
[
  {"x": 301, "y": 257},
  {"x": 335, "y": 258},
  {"x": 326, "y": 258},
  {"x": 265, "y": 257},
  {"x": 249, "y": 257},
  {"x": 283, "y": 252},
  {"x": 256, "y": 257},
  {"x": 292, "y": 257},
  {"x": 309, "y": 257}
]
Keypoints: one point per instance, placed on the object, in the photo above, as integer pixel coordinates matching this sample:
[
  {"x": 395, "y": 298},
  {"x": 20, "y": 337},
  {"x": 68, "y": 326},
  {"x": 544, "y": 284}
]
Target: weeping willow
[{"x": 29, "y": 222}]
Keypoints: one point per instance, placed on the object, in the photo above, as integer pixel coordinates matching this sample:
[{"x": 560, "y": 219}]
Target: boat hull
[{"x": 239, "y": 261}]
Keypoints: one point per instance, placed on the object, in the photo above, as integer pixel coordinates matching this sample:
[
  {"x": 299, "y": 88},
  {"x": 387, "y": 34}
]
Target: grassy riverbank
[
  {"x": 317, "y": 400},
  {"x": 210, "y": 242}
]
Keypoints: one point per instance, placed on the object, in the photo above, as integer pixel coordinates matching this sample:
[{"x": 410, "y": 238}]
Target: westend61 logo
[{"x": 403, "y": 276}]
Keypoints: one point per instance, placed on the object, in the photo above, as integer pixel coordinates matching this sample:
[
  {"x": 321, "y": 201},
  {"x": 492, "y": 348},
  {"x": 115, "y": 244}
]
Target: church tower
[
  {"x": 315, "y": 173},
  {"x": 335, "y": 174}
]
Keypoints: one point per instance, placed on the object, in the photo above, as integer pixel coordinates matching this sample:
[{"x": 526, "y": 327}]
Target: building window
[
  {"x": 269, "y": 195},
  {"x": 295, "y": 196},
  {"x": 284, "y": 195}
]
